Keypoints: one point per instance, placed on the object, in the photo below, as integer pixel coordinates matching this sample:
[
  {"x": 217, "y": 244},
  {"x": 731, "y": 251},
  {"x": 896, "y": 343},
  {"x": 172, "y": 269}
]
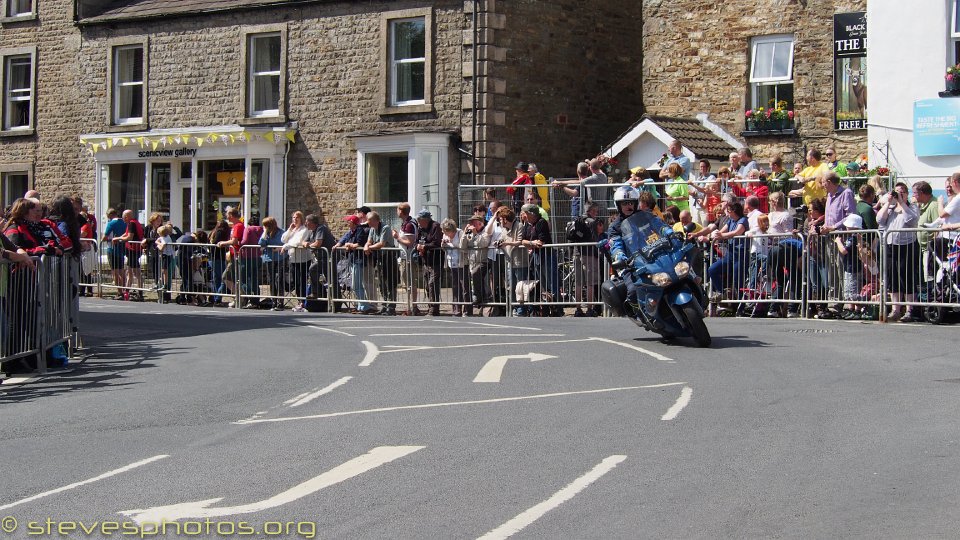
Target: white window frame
[
  {"x": 954, "y": 24},
  {"x": 11, "y": 9},
  {"x": 757, "y": 82},
  {"x": 26, "y": 94},
  {"x": 955, "y": 32},
  {"x": 395, "y": 63},
  {"x": 118, "y": 85},
  {"x": 253, "y": 75},
  {"x": 762, "y": 40},
  {"x": 6, "y": 171}
]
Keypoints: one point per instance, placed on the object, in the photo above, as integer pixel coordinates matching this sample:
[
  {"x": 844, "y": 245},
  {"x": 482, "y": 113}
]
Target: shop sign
[
  {"x": 850, "y": 70},
  {"x": 178, "y": 152}
]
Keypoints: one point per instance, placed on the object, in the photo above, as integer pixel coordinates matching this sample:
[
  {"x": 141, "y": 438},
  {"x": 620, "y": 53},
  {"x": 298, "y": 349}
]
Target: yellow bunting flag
[
  {"x": 270, "y": 135},
  {"x": 199, "y": 142},
  {"x": 155, "y": 144},
  {"x": 292, "y": 136},
  {"x": 124, "y": 141},
  {"x": 140, "y": 140}
]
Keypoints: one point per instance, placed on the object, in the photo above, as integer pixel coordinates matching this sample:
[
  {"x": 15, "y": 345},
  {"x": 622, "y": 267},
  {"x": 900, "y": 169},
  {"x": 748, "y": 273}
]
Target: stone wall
[
  {"x": 333, "y": 73},
  {"x": 562, "y": 81},
  {"x": 53, "y": 148},
  {"x": 697, "y": 58}
]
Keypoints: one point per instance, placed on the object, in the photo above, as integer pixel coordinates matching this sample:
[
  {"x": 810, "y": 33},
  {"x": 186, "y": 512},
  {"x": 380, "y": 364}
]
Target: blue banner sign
[{"x": 936, "y": 127}]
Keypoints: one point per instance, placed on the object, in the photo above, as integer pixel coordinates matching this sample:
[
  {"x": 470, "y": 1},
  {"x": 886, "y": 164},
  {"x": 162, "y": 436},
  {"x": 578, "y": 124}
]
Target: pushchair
[{"x": 945, "y": 289}]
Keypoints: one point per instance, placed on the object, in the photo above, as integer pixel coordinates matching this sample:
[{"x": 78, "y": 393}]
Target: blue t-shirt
[
  {"x": 738, "y": 242},
  {"x": 114, "y": 229}
]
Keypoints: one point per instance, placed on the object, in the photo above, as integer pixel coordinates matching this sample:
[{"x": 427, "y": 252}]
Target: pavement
[{"x": 309, "y": 425}]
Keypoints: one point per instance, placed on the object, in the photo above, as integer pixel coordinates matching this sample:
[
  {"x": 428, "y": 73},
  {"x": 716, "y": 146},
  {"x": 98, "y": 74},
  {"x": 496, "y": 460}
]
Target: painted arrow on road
[
  {"x": 493, "y": 369},
  {"x": 202, "y": 509}
]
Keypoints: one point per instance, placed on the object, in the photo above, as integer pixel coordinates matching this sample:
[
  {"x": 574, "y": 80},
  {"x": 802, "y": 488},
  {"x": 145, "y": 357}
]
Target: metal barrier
[
  {"x": 39, "y": 313},
  {"x": 919, "y": 276},
  {"x": 122, "y": 270},
  {"x": 758, "y": 273},
  {"x": 20, "y": 294},
  {"x": 844, "y": 274}
]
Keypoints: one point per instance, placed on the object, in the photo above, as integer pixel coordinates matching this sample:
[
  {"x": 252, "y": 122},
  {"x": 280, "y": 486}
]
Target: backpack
[
  {"x": 133, "y": 244},
  {"x": 581, "y": 230}
]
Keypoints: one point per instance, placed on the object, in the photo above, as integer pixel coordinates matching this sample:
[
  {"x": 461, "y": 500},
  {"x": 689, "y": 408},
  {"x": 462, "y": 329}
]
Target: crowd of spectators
[{"x": 753, "y": 223}]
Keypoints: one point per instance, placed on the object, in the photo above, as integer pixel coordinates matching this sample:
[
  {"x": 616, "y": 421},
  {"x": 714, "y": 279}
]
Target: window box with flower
[
  {"x": 775, "y": 120},
  {"x": 952, "y": 82}
]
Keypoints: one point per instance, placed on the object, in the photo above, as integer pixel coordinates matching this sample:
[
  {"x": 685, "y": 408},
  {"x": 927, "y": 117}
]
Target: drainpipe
[{"x": 476, "y": 44}]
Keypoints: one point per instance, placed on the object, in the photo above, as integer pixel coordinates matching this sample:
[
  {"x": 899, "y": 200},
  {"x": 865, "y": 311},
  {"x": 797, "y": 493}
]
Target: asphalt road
[{"x": 373, "y": 427}]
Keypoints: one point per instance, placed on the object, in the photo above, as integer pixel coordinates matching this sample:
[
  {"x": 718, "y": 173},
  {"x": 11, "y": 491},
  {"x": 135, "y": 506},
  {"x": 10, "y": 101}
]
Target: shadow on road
[{"x": 117, "y": 343}]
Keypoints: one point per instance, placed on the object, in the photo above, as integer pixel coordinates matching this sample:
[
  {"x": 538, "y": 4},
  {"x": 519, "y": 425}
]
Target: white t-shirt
[{"x": 953, "y": 208}]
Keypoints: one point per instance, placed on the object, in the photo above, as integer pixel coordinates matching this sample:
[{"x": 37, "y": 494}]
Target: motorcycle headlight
[
  {"x": 682, "y": 269},
  {"x": 661, "y": 279}
]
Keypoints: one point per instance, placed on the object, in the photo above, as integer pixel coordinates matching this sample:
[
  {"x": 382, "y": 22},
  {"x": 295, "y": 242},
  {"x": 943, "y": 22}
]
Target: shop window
[
  {"x": 264, "y": 74},
  {"x": 128, "y": 85},
  {"x": 408, "y": 57},
  {"x": 18, "y": 89},
  {"x": 19, "y": 8},
  {"x": 12, "y": 186},
  {"x": 126, "y": 187},
  {"x": 259, "y": 188},
  {"x": 771, "y": 71}
]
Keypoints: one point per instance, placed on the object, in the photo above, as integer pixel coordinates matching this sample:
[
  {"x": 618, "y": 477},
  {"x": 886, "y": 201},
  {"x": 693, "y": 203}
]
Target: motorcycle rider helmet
[{"x": 626, "y": 193}]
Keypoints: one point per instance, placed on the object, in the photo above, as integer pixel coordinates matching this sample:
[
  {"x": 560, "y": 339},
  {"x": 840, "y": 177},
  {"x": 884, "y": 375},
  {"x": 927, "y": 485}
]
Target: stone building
[
  {"x": 724, "y": 58},
  {"x": 185, "y": 107}
]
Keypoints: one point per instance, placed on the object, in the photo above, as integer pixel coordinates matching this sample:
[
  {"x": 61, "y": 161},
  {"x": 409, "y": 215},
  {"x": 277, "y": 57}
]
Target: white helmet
[{"x": 626, "y": 193}]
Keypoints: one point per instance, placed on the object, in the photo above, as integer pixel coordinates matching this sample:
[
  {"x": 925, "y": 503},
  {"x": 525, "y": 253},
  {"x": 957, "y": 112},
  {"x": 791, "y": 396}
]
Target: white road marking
[
  {"x": 307, "y": 398},
  {"x": 652, "y": 354},
  {"x": 461, "y": 322},
  {"x": 85, "y": 482},
  {"x": 296, "y": 399},
  {"x": 17, "y": 380},
  {"x": 462, "y": 334},
  {"x": 493, "y": 369},
  {"x": 523, "y": 520},
  {"x": 685, "y": 394},
  {"x": 331, "y": 330},
  {"x": 372, "y": 353},
  {"x": 201, "y": 509},
  {"x": 453, "y": 403},
  {"x": 405, "y": 348}
]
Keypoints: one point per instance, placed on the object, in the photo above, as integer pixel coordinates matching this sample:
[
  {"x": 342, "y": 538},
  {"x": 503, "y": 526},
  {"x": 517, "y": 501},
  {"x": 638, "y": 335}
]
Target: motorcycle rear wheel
[{"x": 697, "y": 327}]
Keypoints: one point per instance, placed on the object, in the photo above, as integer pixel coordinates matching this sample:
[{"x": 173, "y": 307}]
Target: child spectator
[
  {"x": 450, "y": 243},
  {"x": 850, "y": 261},
  {"x": 164, "y": 245}
]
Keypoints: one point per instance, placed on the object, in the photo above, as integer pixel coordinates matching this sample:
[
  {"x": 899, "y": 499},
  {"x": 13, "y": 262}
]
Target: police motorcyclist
[{"x": 635, "y": 227}]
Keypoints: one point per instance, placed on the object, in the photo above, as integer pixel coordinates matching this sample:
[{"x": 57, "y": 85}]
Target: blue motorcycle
[{"x": 659, "y": 291}]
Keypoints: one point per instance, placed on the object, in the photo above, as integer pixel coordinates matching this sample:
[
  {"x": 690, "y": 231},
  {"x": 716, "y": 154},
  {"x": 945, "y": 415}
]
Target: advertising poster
[
  {"x": 936, "y": 127},
  {"x": 850, "y": 71}
]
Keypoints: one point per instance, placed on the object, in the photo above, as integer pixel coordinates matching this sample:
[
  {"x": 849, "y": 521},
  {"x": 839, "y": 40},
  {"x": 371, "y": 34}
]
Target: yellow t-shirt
[
  {"x": 678, "y": 227},
  {"x": 812, "y": 189}
]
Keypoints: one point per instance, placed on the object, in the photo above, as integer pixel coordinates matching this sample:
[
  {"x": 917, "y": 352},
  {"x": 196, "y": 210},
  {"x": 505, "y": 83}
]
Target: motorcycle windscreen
[{"x": 640, "y": 230}]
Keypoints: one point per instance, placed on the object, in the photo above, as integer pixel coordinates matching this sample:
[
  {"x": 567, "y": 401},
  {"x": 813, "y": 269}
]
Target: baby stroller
[{"x": 945, "y": 289}]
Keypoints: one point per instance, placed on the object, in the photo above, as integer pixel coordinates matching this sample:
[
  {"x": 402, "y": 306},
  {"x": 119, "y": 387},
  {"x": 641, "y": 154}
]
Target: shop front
[{"x": 191, "y": 176}]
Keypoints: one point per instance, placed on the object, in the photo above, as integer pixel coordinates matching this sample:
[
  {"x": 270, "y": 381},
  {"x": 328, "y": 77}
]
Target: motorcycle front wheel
[{"x": 698, "y": 328}]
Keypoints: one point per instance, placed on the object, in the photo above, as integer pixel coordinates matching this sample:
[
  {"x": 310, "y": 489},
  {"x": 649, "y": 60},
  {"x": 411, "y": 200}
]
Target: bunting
[{"x": 227, "y": 138}]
